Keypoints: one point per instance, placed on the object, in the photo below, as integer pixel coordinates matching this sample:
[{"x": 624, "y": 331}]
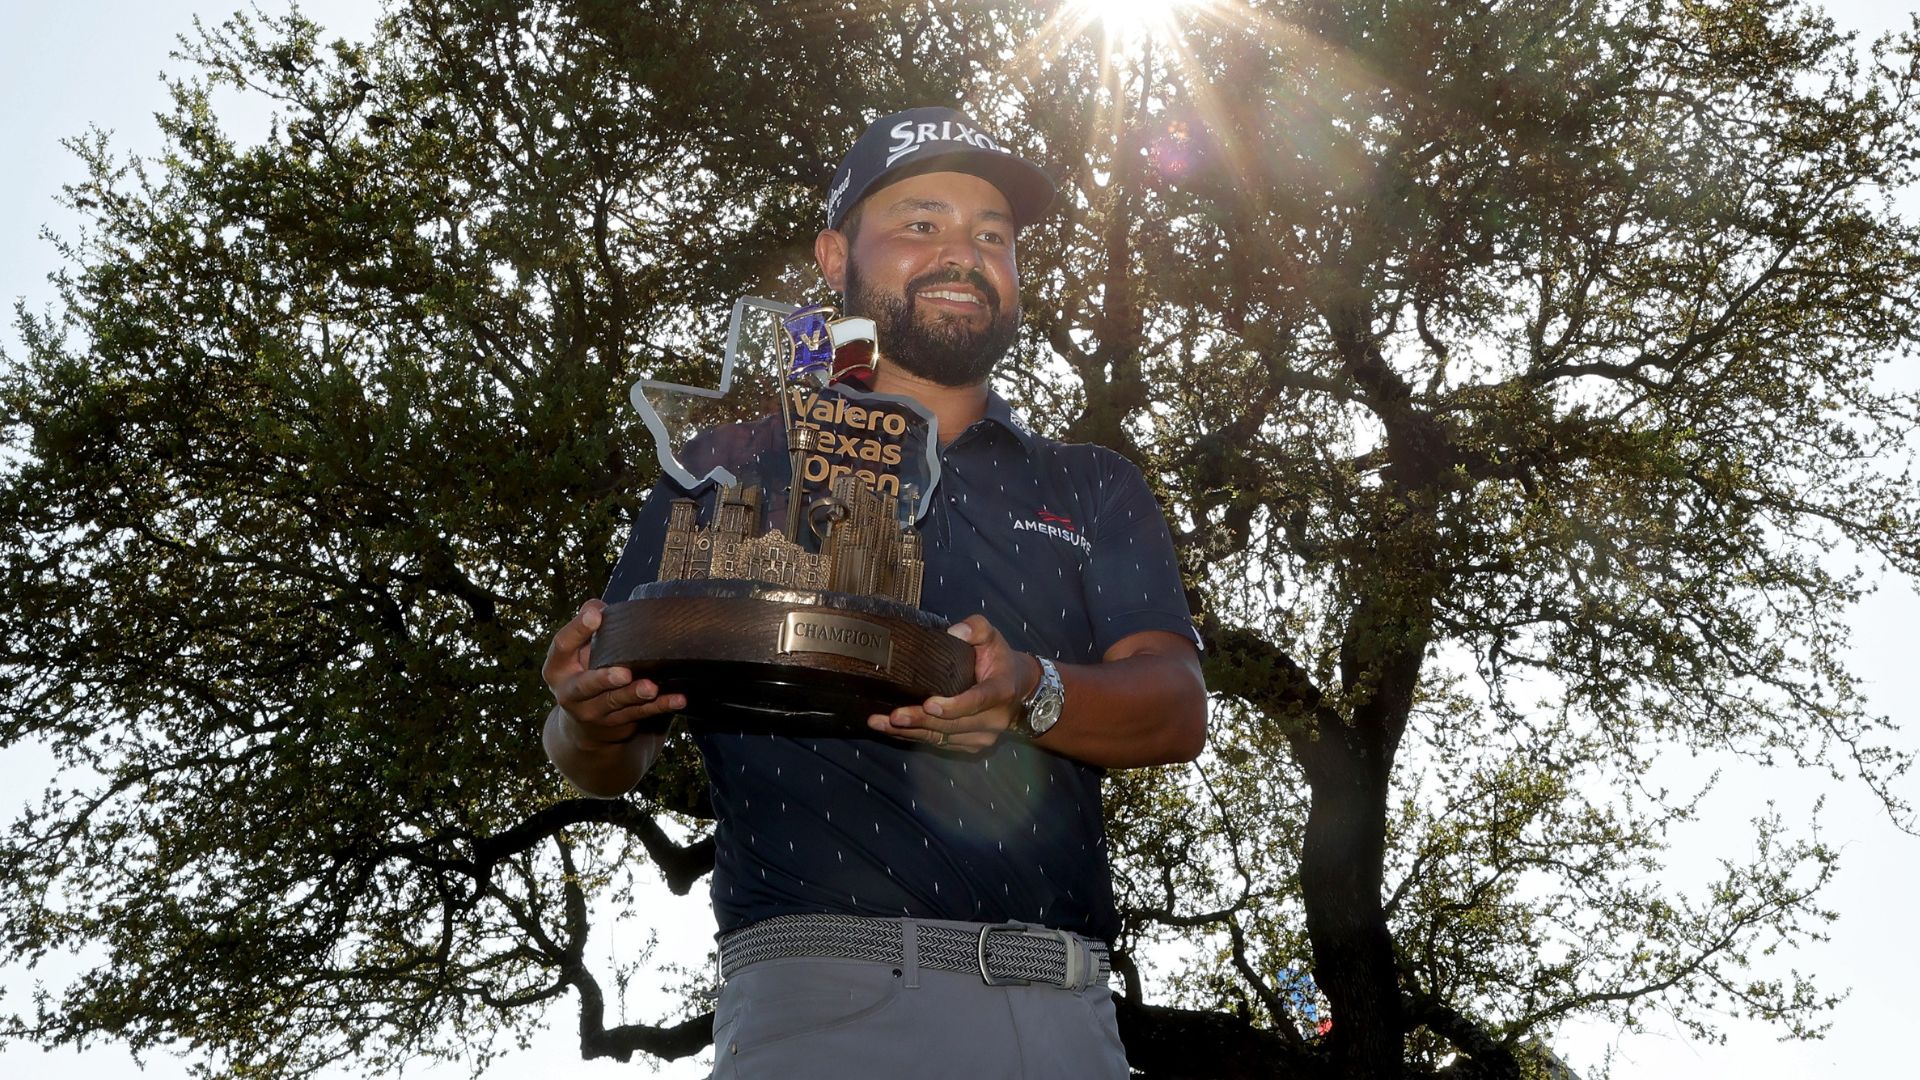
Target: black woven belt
[{"x": 1009, "y": 954}]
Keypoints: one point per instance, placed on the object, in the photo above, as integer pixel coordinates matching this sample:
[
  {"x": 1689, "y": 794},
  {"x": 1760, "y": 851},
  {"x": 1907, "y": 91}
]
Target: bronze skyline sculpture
[{"x": 813, "y": 616}]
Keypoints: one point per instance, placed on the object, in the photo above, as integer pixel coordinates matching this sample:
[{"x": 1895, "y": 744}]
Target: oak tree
[{"x": 1508, "y": 372}]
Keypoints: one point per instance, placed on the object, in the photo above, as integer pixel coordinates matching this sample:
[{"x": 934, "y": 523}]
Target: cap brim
[{"x": 1029, "y": 191}]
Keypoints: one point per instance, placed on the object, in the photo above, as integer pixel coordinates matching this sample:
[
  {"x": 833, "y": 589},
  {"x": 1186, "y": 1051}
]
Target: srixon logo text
[{"x": 908, "y": 137}]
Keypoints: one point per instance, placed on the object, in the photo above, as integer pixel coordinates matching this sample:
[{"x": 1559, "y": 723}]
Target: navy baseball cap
[{"x": 935, "y": 140}]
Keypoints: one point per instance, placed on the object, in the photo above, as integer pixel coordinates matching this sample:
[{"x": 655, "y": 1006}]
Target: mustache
[{"x": 954, "y": 276}]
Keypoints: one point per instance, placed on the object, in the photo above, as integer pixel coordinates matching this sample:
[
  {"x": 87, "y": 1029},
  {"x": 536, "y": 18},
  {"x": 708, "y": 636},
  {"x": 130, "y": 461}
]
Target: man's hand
[
  {"x": 603, "y": 735},
  {"x": 974, "y": 719},
  {"x": 607, "y": 705},
  {"x": 1144, "y": 703}
]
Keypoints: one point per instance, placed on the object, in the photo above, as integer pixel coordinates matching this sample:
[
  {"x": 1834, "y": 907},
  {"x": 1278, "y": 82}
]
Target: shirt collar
[{"x": 1000, "y": 413}]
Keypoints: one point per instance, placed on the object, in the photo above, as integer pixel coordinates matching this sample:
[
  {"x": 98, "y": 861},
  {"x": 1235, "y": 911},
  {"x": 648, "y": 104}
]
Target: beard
[{"x": 944, "y": 352}]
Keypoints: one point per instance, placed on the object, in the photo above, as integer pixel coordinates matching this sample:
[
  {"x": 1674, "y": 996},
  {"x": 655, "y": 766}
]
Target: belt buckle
[{"x": 1079, "y": 959}]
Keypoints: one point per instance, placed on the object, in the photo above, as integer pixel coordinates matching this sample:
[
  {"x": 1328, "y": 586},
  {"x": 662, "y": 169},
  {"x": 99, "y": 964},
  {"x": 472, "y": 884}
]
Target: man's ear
[{"x": 830, "y": 254}]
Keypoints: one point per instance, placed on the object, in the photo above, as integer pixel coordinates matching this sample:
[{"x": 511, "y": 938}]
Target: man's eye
[
  {"x": 920, "y": 226},
  {"x": 992, "y": 238}
]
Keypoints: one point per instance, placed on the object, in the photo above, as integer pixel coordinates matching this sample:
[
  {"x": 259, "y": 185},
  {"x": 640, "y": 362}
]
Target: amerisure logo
[{"x": 1056, "y": 526}]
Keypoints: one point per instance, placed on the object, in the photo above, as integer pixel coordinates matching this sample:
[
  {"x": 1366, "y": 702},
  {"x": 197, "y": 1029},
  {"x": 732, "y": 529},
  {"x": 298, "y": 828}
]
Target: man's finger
[
  {"x": 972, "y": 742},
  {"x": 908, "y": 716},
  {"x": 579, "y": 630},
  {"x": 606, "y": 715},
  {"x": 899, "y": 728},
  {"x": 975, "y": 630},
  {"x": 638, "y": 692},
  {"x": 907, "y": 724},
  {"x": 651, "y": 709},
  {"x": 578, "y": 689},
  {"x": 977, "y": 698}
]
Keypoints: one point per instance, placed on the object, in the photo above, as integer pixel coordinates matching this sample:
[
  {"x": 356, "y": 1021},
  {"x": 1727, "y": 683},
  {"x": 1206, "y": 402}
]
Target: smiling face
[{"x": 930, "y": 259}]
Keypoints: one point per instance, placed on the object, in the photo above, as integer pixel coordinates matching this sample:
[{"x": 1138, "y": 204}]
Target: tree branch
[{"x": 1166, "y": 1043}]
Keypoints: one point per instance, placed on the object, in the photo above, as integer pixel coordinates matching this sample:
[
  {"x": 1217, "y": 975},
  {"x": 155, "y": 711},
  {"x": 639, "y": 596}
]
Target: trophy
[{"x": 789, "y": 583}]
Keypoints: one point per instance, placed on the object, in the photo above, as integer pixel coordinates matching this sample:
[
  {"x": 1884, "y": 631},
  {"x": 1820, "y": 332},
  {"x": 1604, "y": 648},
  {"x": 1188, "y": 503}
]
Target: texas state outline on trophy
[{"x": 789, "y": 579}]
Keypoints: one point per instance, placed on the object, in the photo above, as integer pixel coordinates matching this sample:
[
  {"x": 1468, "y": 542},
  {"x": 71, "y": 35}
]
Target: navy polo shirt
[{"x": 1063, "y": 548}]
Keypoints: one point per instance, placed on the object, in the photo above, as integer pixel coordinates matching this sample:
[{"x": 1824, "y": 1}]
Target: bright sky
[{"x": 67, "y": 65}]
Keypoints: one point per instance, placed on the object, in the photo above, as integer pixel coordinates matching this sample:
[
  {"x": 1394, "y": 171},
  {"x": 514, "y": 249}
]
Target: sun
[
  {"x": 1130, "y": 29},
  {"x": 1128, "y": 23}
]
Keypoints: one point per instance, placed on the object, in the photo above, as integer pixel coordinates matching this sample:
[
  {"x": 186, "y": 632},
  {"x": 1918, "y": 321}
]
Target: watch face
[
  {"x": 1043, "y": 709},
  {"x": 1045, "y": 714}
]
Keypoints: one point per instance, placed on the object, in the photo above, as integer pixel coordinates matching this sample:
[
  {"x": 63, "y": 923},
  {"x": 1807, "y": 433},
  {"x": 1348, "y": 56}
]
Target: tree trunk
[{"x": 1341, "y": 869}]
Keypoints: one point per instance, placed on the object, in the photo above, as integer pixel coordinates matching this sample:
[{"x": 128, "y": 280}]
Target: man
[{"x": 859, "y": 881}]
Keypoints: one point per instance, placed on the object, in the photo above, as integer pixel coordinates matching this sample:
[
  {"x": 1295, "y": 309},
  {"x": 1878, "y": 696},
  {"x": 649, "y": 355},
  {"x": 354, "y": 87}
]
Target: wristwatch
[{"x": 1041, "y": 710}]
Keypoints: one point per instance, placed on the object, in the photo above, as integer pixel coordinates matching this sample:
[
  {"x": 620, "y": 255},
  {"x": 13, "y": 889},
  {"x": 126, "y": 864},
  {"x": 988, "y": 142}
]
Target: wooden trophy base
[{"x": 766, "y": 657}]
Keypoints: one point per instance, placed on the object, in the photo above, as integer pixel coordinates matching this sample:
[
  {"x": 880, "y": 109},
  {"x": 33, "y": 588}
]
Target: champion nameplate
[{"x": 809, "y": 631}]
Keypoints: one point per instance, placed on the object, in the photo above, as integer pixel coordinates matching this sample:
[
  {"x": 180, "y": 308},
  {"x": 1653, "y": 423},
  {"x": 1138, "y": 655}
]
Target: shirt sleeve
[{"x": 1132, "y": 579}]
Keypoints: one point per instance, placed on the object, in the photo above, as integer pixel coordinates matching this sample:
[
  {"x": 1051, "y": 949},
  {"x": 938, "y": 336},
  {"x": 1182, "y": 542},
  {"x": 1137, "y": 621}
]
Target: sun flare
[
  {"x": 1128, "y": 24},
  {"x": 1132, "y": 20},
  {"x": 1151, "y": 85}
]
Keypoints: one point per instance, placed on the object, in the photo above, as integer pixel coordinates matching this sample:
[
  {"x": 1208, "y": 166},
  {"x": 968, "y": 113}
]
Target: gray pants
[{"x": 828, "y": 1019}]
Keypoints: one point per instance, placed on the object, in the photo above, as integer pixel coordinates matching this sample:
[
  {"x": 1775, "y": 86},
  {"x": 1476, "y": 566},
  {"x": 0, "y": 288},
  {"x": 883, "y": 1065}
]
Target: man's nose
[{"x": 962, "y": 251}]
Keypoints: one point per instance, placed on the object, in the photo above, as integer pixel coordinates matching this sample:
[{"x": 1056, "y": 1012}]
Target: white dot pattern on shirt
[{"x": 1032, "y": 554}]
